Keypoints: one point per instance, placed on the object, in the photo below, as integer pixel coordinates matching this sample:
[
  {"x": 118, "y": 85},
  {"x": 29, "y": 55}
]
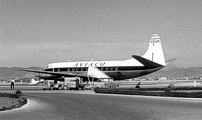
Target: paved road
[{"x": 86, "y": 105}]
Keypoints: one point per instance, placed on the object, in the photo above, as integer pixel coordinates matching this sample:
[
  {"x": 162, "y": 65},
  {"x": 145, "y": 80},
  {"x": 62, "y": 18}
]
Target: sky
[{"x": 39, "y": 32}]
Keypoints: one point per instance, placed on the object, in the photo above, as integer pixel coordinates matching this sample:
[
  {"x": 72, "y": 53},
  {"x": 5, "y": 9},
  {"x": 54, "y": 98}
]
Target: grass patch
[
  {"x": 12, "y": 100},
  {"x": 166, "y": 92},
  {"x": 6, "y": 102}
]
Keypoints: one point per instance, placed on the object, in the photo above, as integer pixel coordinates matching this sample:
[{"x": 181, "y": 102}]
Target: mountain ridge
[{"x": 171, "y": 71}]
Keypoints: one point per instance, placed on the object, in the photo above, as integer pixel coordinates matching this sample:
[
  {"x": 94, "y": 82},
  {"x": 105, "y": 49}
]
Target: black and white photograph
[{"x": 100, "y": 60}]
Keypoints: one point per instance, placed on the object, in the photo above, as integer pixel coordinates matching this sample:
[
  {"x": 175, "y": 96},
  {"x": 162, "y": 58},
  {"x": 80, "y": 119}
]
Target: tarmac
[{"x": 87, "y": 105}]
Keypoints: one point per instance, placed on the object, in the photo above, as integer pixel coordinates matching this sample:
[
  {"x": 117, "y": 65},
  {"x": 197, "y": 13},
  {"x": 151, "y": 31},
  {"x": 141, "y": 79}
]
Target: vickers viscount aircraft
[{"x": 137, "y": 66}]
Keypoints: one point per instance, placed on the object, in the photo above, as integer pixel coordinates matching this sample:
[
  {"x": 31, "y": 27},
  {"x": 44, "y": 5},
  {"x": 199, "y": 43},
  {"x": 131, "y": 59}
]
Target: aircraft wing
[{"x": 67, "y": 74}]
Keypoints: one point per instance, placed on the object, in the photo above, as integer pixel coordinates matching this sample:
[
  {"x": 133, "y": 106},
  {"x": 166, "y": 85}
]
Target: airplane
[
  {"x": 153, "y": 60},
  {"x": 34, "y": 82}
]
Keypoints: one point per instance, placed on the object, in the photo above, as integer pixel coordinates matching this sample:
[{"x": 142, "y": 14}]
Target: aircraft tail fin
[{"x": 154, "y": 52}]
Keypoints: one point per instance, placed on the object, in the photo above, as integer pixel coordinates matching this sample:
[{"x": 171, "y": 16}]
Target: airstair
[{"x": 96, "y": 73}]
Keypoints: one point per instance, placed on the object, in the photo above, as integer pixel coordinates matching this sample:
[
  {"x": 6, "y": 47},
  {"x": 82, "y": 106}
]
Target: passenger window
[
  {"x": 62, "y": 69},
  {"x": 54, "y": 69}
]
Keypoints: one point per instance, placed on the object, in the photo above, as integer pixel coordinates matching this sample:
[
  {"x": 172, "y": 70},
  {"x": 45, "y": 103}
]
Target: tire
[
  {"x": 51, "y": 88},
  {"x": 65, "y": 87},
  {"x": 82, "y": 87},
  {"x": 59, "y": 87}
]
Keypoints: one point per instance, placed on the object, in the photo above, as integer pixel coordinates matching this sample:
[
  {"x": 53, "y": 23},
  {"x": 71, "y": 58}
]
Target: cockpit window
[{"x": 49, "y": 69}]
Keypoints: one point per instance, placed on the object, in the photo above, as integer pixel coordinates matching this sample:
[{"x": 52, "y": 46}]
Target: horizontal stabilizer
[
  {"x": 146, "y": 62},
  {"x": 170, "y": 61}
]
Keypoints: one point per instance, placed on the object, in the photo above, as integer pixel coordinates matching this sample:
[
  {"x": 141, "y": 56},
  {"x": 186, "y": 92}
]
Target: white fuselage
[{"x": 117, "y": 70}]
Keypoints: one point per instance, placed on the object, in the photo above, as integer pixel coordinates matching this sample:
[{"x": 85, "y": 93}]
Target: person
[
  {"x": 12, "y": 83},
  {"x": 77, "y": 83}
]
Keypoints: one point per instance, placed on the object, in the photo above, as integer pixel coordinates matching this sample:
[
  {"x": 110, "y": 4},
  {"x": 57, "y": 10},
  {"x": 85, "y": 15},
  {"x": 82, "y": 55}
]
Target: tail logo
[{"x": 155, "y": 41}]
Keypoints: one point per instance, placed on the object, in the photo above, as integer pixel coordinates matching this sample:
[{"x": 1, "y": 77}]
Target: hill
[
  {"x": 7, "y": 73},
  {"x": 169, "y": 71},
  {"x": 176, "y": 72}
]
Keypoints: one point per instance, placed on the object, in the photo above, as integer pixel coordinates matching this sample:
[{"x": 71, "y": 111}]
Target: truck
[
  {"x": 53, "y": 84},
  {"x": 65, "y": 84},
  {"x": 75, "y": 83}
]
